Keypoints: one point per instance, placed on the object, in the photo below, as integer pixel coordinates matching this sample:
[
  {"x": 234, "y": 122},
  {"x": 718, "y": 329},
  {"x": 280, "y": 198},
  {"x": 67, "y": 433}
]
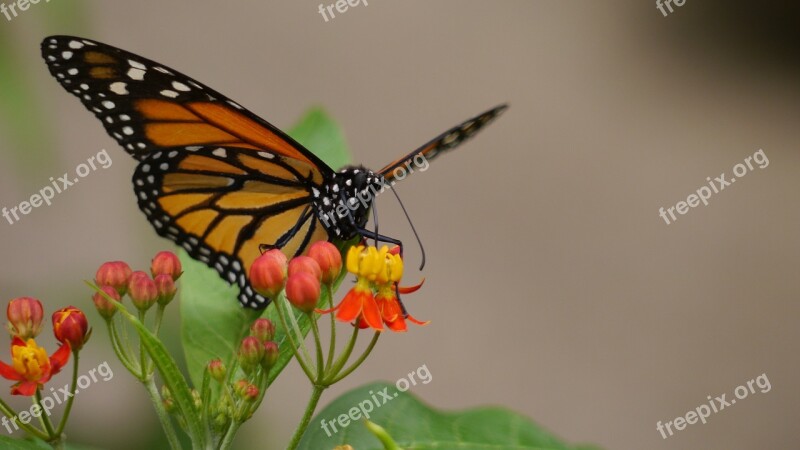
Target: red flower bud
[
  {"x": 268, "y": 273},
  {"x": 142, "y": 290},
  {"x": 105, "y": 307},
  {"x": 217, "y": 370},
  {"x": 263, "y": 329},
  {"x": 166, "y": 288},
  {"x": 25, "y": 316},
  {"x": 271, "y": 354},
  {"x": 71, "y": 327},
  {"x": 115, "y": 274},
  {"x": 251, "y": 352},
  {"x": 251, "y": 393},
  {"x": 302, "y": 290},
  {"x": 305, "y": 264},
  {"x": 329, "y": 259},
  {"x": 166, "y": 263}
]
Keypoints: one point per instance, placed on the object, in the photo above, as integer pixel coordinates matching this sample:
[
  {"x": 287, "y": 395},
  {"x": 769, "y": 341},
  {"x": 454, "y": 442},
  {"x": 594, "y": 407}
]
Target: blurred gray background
[{"x": 553, "y": 286}]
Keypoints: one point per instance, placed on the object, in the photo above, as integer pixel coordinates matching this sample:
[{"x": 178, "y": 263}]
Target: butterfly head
[{"x": 343, "y": 205}]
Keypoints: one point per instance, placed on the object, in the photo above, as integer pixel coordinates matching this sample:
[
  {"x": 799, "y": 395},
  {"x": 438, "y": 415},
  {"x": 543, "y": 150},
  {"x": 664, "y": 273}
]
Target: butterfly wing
[
  {"x": 448, "y": 140},
  {"x": 225, "y": 204},
  {"x": 213, "y": 177}
]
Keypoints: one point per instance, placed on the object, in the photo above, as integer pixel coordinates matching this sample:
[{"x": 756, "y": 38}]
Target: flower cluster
[
  {"x": 374, "y": 298},
  {"x": 115, "y": 279},
  {"x": 30, "y": 366}
]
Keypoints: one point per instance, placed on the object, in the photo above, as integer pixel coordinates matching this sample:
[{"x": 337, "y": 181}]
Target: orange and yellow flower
[
  {"x": 31, "y": 367},
  {"x": 376, "y": 270}
]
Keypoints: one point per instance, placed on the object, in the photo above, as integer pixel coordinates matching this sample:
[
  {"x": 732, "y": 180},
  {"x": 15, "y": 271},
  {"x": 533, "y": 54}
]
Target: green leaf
[
  {"x": 212, "y": 321},
  {"x": 8, "y": 443},
  {"x": 414, "y": 425}
]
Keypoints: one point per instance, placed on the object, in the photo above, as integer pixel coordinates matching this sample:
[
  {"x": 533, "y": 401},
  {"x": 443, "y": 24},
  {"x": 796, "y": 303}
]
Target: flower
[
  {"x": 376, "y": 270},
  {"x": 71, "y": 327},
  {"x": 25, "y": 317},
  {"x": 268, "y": 273},
  {"x": 303, "y": 291},
  {"x": 142, "y": 290},
  {"x": 105, "y": 307},
  {"x": 165, "y": 285},
  {"x": 115, "y": 274},
  {"x": 305, "y": 264},
  {"x": 30, "y": 365},
  {"x": 166, "y": 263},
  {"x": 328, "y": 258}
]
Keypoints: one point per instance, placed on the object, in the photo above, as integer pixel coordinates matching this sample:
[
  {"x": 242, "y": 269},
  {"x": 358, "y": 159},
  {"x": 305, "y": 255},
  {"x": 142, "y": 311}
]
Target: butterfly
[{"x": 215, "y": 178}]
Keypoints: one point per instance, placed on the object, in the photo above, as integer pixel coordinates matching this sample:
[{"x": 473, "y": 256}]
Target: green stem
[
  {"x": 312, "y": 405},
  {"x": 166, "y": 423},
  {"x": 348, "y": 350},
  {"x": 45, "y": 417},
  {"x": 332, "y": 348},
  {"x": 68, "y": 408},
  {"x": 142, "y": 353},
  {"x": 11, "y": 414},
  {"x": 121, "y": 354},
  {"x": 297, "y": 331},
  {"x": 358, "y": 362},
  {"x": 292, "y": 342},
  {"x": 318, "y": 344},
  {"x": 230, "y": 435}
]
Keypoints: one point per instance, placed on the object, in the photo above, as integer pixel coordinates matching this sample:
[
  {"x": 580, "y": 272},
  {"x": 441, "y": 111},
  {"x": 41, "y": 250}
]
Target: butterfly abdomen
[{"x": 343, "y": 203}]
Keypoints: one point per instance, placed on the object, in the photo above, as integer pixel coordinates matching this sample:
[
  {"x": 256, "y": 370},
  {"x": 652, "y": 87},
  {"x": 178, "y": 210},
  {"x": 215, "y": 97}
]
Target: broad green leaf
[
  {"x": 212, "y": 322},
  {"x": 414, "y": 425}
]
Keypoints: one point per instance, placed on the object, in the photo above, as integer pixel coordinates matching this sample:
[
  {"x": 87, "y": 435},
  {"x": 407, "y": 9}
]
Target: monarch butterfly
[{"x": 213, "y": 177}]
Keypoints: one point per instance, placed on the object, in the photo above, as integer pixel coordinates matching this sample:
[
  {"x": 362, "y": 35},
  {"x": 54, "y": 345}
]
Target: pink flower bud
[
  {"x": 303, "y": 290},
  {"x": 115, "y": 274},
  {"x": 329, "y": 259},
  {"x": 251, "y": 352},
  {"x": 25, "y": 317},
  {"x": 142, "y": 290},
  {"x": 305, "y": 264},
  {"x": 70, "y": 326},
  {"x": 263, "y": 329},
  {"x": 105, "y": 307},
  {"x": 268, "y": 273},
  {"x": 166, "y": 288},
  {"x": 166, "y": 263}
]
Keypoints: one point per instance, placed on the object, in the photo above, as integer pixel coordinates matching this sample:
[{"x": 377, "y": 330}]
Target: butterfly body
[
  {"x": 215, "y": 178},
  {"x": 343, "y": 204}
]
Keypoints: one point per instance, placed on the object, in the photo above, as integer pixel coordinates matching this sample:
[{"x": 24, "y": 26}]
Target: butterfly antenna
[
  {"x": 375, "y": 220},
  {"x": 421, "y": 247}
]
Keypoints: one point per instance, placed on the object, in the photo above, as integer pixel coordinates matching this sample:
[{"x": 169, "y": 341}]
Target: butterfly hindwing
[{"x": 224, "y": 205}]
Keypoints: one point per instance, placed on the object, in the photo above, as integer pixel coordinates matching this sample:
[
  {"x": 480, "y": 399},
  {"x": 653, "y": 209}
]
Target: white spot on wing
[
  {"x": 119, "y": 88},
  {"x": 67, "y": 54},
  {"x": 169, "y": 93},
  {"x": 136, "y": 74},
  {"x": 220, "y": 152},
  {"x": 109, "y": 104},
  {"x": 180, "y": 86},
  {"x": 137, "y": 64},
  {"x": 75, "y": 45}
]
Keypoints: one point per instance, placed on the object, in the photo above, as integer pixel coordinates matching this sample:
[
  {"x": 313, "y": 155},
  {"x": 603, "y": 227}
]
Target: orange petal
[
  {"x": 26, "y": 388},
  {"x": 9, "y": 373},
  {"x": 327, "y": 311},
  {"x": 398, "y": 326},
  {"x": 390, "y": 310},
  {"x": 413, "y": 320},
  {"x": 410, "y": 289},
  {"x": 58, "y": 360},
  {"x": 372, "y": 314},
  {"x": 351, "y": 305}
]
